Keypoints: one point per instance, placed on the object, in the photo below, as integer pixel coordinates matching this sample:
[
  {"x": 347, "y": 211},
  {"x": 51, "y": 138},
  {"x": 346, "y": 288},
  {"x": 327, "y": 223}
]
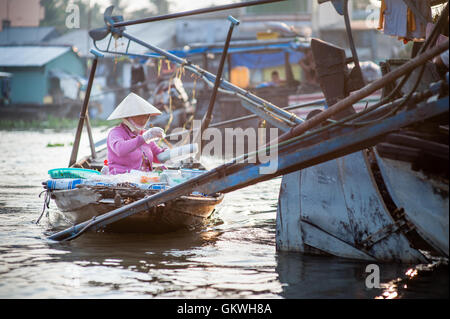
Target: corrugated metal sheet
[
  {"x": 26, "y": 35},
  {"x": 78, "y": 38},
  {"x": 28, "y": 56}
]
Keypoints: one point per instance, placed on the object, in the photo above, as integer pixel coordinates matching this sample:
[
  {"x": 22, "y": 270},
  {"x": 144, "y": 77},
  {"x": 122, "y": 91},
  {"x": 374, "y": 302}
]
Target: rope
[{"x": 46, "y": 204}]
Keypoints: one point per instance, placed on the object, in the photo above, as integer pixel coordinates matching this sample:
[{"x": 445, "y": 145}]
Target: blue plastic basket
[{"x": 72, "y": 173}]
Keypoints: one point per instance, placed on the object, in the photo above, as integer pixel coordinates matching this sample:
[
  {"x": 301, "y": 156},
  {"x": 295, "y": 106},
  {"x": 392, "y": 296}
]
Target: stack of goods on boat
[{"x": 70, "y": 178}]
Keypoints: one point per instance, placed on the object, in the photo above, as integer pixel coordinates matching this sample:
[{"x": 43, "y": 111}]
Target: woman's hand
[{"x": 153, "y": 133}]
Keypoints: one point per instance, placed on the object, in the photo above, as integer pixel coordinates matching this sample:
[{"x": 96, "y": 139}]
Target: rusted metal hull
[
  {"x": 80, "y": 205},
  {"x": 338, "y": 208}
]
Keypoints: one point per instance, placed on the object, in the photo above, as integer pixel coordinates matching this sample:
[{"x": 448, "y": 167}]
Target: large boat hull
[{"x": 339, "y": 208}]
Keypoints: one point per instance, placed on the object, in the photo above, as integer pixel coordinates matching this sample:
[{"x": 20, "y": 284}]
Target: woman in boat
[{"x": 130, "y": 146}]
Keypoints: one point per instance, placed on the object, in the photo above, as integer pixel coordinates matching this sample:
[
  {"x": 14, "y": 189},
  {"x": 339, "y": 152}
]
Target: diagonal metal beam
[{"x": 195, "y": 12}]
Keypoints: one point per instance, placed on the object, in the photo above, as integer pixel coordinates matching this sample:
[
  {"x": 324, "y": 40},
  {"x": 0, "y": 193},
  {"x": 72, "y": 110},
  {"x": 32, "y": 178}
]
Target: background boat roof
[
  {"x": 285, "y": 45},
  {"x": 30, "y": 56}
]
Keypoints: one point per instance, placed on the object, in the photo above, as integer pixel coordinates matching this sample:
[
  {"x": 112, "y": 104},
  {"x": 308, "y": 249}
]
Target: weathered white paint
[
  {"x": 322, "y": 200},
  {"x": 334, "y": 207},
  {"x": 289, "y": 233},
  {"x": 319, "y": 239},
  {"x": 367, "y": 211}
]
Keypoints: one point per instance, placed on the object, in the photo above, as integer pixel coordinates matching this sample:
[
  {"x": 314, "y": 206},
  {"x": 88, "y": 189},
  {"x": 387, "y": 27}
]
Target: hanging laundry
[
  {"x": 397, "y": 19},
  {"x": 418, "y": 24}
]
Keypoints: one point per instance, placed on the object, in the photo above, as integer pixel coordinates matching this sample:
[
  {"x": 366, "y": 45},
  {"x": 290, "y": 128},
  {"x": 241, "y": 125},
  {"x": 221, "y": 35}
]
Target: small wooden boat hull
[{"x": 81, "y": 204}]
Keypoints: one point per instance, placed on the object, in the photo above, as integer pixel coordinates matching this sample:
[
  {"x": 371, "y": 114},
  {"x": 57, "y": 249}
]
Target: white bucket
[{"x": 177, "y": 154}]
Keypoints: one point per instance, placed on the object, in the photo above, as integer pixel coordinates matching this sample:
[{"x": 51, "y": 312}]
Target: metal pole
[
  {"x": 348, "y": 26},
  {"x": 193, "y": 12},
  {"x": 91, "y": 139},
  {"x": 224, "y": 84},
  {"x": 76, "y": 143},
  {"x": 207, "y": 118},
  {"x": 238, "y": 119}
]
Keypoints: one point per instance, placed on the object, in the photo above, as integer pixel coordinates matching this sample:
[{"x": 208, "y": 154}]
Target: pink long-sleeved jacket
[{"x": 128, "y": 151}]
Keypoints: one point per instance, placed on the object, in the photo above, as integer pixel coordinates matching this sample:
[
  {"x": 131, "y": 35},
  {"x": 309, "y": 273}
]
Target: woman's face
[{"x": 140, "y": 120}]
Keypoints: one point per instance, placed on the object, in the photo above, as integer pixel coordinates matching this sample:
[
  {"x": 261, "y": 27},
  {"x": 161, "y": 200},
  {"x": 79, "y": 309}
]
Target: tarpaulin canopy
[
  {"x": 251, "y": 56},
  {"x": 258, "y": 60}
]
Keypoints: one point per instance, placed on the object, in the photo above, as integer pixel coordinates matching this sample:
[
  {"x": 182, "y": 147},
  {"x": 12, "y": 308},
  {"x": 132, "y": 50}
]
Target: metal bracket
[
  {"x": 401, "y": 224},
  {"x": 96, "y": 53}
]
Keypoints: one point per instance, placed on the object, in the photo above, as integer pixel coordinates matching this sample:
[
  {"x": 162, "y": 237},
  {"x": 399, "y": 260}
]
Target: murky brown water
[{"x": 234, "y": 256}]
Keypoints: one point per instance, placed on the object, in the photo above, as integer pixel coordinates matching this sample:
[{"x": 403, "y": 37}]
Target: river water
[{"x": 233, "y": 256}]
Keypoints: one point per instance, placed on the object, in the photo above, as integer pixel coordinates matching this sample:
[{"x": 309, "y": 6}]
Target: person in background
[
  {"x": 275, "y": 81},
  {"x": 130, "y": 146}
]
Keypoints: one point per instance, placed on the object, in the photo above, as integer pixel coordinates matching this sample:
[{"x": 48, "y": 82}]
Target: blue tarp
[
  {"x": 250, "y": 56},
  {"x": 263, "y": 60}
]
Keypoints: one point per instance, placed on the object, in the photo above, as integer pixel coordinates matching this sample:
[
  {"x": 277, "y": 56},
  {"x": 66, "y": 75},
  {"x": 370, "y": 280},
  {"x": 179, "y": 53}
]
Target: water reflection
[
  {"x": 179, "y": 264},
  {"x": 303, "y": 276},
  {"x": 233, "y": 256},
  {"x": 414, "y": 281}
]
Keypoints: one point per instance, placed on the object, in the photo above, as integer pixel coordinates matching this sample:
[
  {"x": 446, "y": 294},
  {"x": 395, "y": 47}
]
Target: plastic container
[
  {"x": 158, "y": 187},
  {"x": 172, "y": 177},
  {"x": 149, "y": 179},
  {"x": 177, "y": 154},
  {"x": 105, "y": 168},
  {"x": 169, "y": 174},
  {"x": 72, "y": 173},
  {"x": 175, "y": 181},
  {"x": 191, "y": 173},
  {"x": 63, "y": 183}
]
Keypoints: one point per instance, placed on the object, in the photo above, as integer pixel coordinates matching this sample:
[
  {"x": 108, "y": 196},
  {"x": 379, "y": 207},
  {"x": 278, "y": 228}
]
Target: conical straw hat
[{"x": 133, "y": 105}]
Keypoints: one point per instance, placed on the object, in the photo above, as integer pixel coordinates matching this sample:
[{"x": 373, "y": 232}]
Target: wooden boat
[{"x": 85, "y": 202}]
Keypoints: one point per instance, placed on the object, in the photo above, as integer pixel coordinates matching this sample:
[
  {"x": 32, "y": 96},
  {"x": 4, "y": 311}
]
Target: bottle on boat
[{"x": 105, "y": 168}]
